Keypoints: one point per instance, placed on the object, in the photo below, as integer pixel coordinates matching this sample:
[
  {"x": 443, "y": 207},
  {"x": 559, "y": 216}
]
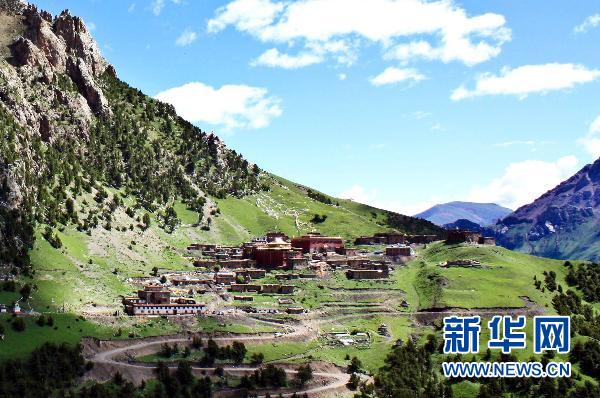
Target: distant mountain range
[
  {"x": 562, "y": 223},
  {"x": 482, "y": 214}
]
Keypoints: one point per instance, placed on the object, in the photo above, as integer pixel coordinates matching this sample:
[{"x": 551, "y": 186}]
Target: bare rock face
[
  {"x": 12, "y": 6},
  {"x": 82, "y": 77},
  {"x": 41, "y": 34},
  {"x": 11, "y": 195},
  {"x": 53, "y": 74},
  {"x": 79, "y": 42}
]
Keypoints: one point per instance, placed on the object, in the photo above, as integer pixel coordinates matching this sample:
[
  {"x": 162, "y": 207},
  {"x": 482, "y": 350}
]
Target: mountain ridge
[
  {"x": 562, "y": 223},
  {"x": 480, "y": 213}
]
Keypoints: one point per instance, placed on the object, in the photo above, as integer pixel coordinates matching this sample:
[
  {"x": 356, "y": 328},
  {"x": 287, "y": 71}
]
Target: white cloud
[
  {"x": 392, "y": 75},
  {"x": 591, "y": 141},
  {"x": 359, "y": 194},
  {"x": 444, "y": 30},
  {"x": 232, "y": 106},
  {"x": 528, "y": 79},
  {"x": 521, "y": 182},
  {"x": 157, "y": 6},
  {"x": 590, "y": 22},
  {"x": 421, "y": 115},
  {"x": 342, "y": 76},
  {"x": 186, "y": 38},
  {"x": 506, "y": 144},
  {"x": 273, "y": 58},
  {"x": 91, "y": 26},
  {"x": 437, "y": 127},
  {"x": 131, "y": 7}
]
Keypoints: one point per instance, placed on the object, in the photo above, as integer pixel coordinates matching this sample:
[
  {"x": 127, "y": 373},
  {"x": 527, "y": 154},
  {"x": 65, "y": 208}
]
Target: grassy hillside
[
  {"x": 287, "y": 207},
  {"x": 504, "y": 278},
  {"x": 89, "y": 271}
]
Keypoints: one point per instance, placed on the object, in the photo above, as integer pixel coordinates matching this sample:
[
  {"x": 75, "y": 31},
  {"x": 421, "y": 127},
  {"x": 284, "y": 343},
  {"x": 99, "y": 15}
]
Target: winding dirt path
[{"x": 111, "y": 358}]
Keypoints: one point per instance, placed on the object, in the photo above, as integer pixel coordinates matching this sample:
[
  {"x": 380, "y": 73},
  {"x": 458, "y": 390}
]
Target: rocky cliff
[
  {"x": 69, "y": 124},
  {"x": 562, "y": 223}
]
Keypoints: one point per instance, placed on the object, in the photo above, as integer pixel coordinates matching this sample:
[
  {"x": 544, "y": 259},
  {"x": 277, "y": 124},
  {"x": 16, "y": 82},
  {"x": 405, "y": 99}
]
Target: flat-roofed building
[
  {"x": 252, "y": 273},
  {"x": 156, "y": 300},
  {"x": 317, "y": 243},
  {"x": 275, "y": 254},
  {"x": 398, "y": 251},
  {"x": 225, "y": 278},
  {"x": 366, "y": 274}
]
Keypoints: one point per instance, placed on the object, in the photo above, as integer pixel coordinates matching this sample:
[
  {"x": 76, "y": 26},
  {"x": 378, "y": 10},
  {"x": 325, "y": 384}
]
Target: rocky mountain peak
[
  {"x": 553, "y": 224},
  {"x": 52, "y": 73}
]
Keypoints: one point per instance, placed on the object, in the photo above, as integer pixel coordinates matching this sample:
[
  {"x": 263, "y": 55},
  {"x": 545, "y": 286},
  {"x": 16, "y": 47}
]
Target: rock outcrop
[{"x": 53, "y": 74}]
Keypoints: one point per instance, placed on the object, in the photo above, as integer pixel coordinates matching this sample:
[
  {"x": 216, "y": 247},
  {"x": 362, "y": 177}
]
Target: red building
[
  {"x": 312, "y": 243},
  {"x": 276, "y": 236},
  {"x": 274, "y": 257},
  {"x": 276, "y": 254}
]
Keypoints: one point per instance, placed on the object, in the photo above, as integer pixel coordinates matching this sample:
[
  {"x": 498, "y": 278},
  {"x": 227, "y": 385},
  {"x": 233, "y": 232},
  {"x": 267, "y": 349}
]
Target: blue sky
[{"x": 401, "y": 104}]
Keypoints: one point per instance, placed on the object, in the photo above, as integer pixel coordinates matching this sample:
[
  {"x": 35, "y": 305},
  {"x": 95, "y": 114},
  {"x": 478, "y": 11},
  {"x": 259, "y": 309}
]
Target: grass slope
[{"x": 506, "y": 276}]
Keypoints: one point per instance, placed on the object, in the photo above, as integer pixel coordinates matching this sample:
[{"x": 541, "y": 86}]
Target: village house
[
  {"x": 156, "y": 300},
  {"x": 357, "y": 261},
  {"x": 366, "y": 274},
  {"x": 252, "y": 273},
  {"x": 392, "y": 238},
  {"x": 370, "y": 270},
  {"x": 225, "y": 277},
  {"x": 297, "y": 262},
  {"x": 205, "y": 263},
  {"x": 241, "y": 288},
  {"x": 275, "y": 254},
  {"x": 382, "y": 238},
  {"x": 276, "y": 236},
  {"x": 184, "y": 281},
  {"x": 349, "y": 251},
  {"x": 462, "y": 236},
  {"x": 398, "y": 251},
  {"x": 367, "y": 240},
  {"x": 277, "y": 289},
  {"x": 421, "y": 239},
  {"x": 338, "y": 262},
  {"x": 237, "y": 263},
  {"x": 487, "y": 240},
  {"x": 315, "y": 242},
  {"x": 243, "y": 298},
  {"x": 295, "y": 310}
]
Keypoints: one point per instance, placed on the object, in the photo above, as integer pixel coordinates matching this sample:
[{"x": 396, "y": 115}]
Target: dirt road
[{"x": 115, "y": 358}]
